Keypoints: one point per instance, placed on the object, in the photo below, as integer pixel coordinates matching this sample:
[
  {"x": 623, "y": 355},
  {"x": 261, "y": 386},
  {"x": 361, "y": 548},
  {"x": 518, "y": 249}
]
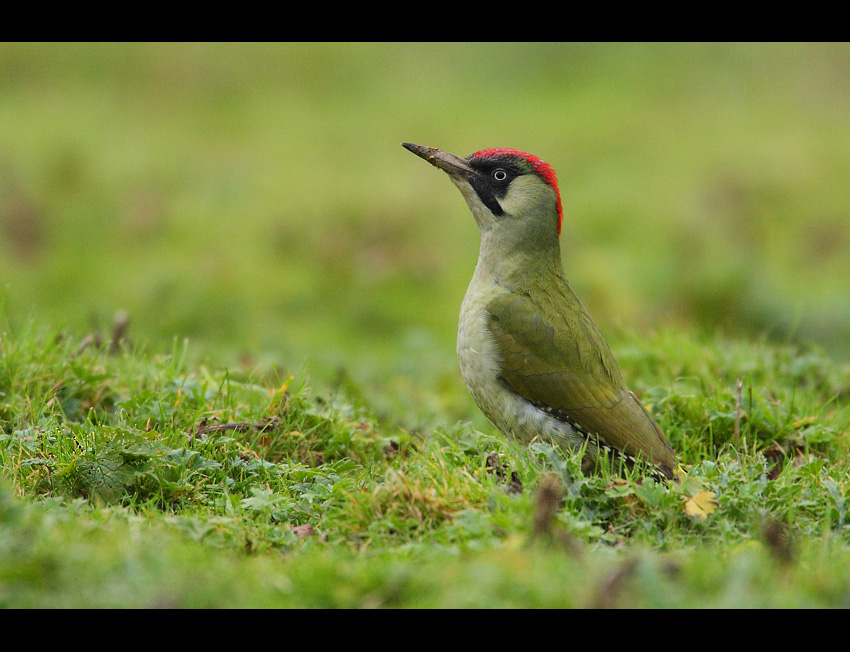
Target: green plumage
[
  {"x": 530, "y": 355},
  {"x": 553, "y": 355}
]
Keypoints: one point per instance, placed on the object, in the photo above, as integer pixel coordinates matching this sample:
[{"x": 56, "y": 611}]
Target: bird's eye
[{"x": 499, "y": 174}]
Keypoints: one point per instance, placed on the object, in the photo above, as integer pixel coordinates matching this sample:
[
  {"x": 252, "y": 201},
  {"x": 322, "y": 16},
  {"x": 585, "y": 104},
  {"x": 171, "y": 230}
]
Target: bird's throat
[{"x": 517, "y": 264}]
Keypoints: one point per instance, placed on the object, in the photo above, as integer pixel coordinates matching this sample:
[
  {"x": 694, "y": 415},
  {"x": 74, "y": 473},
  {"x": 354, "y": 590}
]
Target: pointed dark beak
[{"x": 454, "y": 165}]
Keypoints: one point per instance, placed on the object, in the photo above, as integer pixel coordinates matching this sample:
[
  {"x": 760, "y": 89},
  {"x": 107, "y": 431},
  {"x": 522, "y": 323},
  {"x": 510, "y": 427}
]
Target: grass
[
  {"x": 133, "y": 479},
  {"x": 228, "y": 304}
]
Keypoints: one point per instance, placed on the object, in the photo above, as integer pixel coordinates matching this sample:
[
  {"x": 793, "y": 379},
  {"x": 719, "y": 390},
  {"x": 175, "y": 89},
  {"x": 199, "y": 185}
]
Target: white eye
[{"x": 499, "y": 174}]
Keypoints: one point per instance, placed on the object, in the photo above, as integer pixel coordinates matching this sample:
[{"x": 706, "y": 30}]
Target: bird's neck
[{"x": 517, "y": 263}]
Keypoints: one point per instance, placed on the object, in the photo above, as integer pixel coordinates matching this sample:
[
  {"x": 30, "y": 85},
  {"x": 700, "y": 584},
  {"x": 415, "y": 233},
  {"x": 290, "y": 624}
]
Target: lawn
[{"x": 228, "y": 303}]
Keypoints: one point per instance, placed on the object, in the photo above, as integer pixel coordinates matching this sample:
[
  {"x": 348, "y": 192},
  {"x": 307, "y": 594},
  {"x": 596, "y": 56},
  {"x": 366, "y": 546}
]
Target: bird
[{"x": 531, "y": 356}]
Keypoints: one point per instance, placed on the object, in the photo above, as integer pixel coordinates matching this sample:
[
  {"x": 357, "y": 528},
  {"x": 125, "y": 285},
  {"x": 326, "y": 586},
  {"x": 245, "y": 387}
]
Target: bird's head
[{"x": 508, "y": 191}]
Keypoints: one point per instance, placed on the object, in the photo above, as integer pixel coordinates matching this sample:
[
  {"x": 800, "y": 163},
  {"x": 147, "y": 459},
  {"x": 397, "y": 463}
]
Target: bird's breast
[{"x": 477, "y": 353}]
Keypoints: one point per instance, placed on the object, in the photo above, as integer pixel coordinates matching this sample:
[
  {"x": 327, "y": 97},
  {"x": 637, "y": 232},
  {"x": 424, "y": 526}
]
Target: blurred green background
[{"x": 255, "y": 197}]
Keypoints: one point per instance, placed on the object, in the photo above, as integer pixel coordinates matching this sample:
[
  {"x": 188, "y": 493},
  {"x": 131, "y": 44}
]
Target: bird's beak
[{"x": 455, "y": 165}]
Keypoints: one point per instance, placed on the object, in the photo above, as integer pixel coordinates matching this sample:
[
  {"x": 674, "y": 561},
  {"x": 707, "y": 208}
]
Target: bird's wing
[{"x": 553, "y": 355}]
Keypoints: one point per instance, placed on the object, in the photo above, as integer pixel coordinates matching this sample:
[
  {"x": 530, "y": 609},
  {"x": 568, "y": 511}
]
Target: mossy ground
[{"x": 229, "y": 299}]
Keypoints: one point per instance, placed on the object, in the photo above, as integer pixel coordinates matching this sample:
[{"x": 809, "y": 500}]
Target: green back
[{"x": 553, "y": 354}]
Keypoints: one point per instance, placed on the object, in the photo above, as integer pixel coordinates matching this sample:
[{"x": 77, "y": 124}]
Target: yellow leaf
[
  {"x": 701, "y": 504},
  {"x": 802, "y": 422}
]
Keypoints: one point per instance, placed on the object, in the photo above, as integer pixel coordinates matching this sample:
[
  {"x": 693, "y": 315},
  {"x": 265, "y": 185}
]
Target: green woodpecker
[{"x": 532, "y": 358}]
